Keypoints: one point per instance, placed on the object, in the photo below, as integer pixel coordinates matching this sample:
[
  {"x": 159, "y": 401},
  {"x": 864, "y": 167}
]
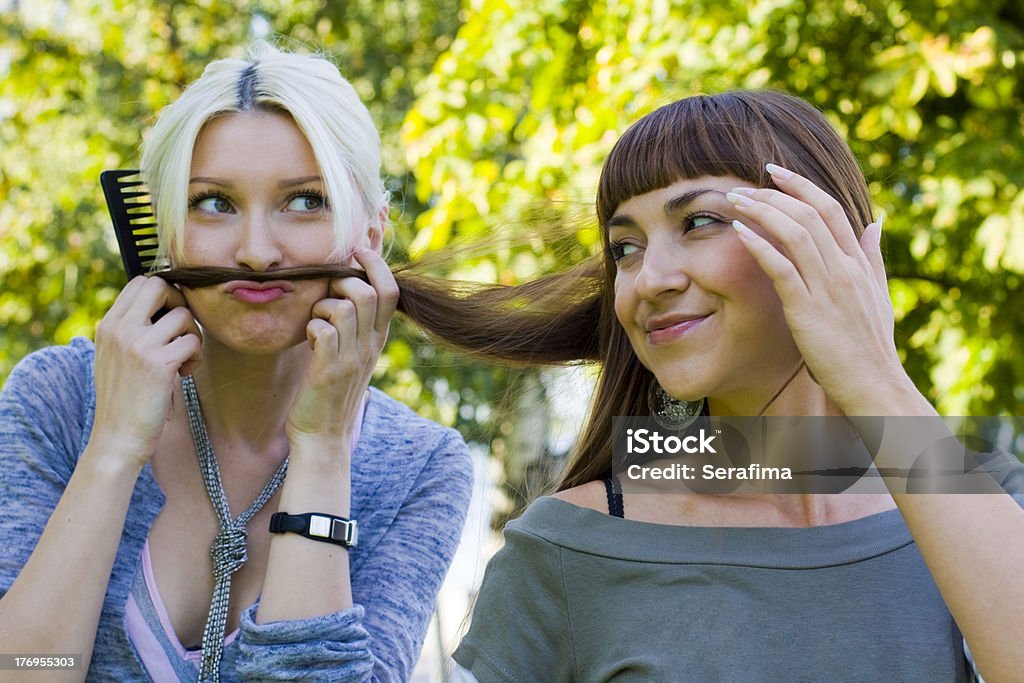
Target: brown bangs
[{"x": 731, "y": 134}]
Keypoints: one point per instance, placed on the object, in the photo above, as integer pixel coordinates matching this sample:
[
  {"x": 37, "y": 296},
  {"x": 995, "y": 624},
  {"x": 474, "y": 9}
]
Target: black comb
[{"x": 131, "y": 211}]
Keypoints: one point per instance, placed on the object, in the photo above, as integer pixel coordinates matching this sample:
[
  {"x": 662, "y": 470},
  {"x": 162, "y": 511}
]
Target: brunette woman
[{"x": 738, "y": 280}]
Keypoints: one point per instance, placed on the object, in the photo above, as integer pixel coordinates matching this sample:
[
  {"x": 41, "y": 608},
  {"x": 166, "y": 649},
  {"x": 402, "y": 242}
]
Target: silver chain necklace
[{"x": 229, "y": 546}]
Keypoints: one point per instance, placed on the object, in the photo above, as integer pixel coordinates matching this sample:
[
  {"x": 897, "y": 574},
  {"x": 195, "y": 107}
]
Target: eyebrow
[
  {"x": 281, "y": 185},
  {"x": 680, "y": 202},
  {"x": 671, "y": 206},
  {"x": 300, "y": 181}
]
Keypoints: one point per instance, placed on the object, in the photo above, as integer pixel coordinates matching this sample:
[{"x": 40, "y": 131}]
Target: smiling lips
[
  {"x": 258, "y": 292},
  {"x": 663, "y": 329}
]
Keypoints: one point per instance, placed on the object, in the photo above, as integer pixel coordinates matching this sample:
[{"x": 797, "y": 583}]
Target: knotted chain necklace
[{"x": 229, "y": 546}]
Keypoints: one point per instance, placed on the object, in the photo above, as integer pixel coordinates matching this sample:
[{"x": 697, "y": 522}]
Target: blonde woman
[{"x": 217, "y": 494}]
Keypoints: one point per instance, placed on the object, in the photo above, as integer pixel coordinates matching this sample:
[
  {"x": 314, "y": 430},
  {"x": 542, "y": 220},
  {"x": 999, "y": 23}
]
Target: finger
[
  {"x": 340, "y": 316},
  {"x": 383, "y": 282},
  {"x": 363, "y": 298},
  {"x": 827, "y": 206},
  {"x": 175, "y": 323},
  {"x": 798, "y": 213},
  {"x": 790, "y": 287},
  {"x": 175, "y": 298},
  {"x": 186, "y": 352},
  {"x": 871, "y": 242},
  {"x": 325, "y": 341},
  {"x": 797, "y": 238},
  {"x": 153, "y": 295},
  {"x": 123, "y": 303}
]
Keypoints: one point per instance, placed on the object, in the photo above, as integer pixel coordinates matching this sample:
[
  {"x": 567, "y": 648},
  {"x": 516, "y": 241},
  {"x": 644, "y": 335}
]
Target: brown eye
[
  {"x": 620, "y": 250},
  {"x": 699, "y": 221}
]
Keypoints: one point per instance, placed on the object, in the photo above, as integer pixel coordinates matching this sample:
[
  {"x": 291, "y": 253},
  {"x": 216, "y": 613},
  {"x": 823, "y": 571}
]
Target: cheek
[
  {"x": 740, "y": 279},
  {"x": 198, "y": 248},
  {"x": 625, "y": 304},
  {"x": 199, "y": 302}
]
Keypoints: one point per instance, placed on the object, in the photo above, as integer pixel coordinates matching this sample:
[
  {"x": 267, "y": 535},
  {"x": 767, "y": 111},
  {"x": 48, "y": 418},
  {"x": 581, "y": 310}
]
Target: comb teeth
[{"x": 131, "y": 212}]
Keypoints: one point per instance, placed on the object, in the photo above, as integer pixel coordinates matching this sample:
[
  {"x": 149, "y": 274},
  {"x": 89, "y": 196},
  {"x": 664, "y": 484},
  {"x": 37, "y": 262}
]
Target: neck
[
  {"x": 805, "y": 431},
  {"x": 246, "y": 398},
  {"x": 795, "y": 394}
]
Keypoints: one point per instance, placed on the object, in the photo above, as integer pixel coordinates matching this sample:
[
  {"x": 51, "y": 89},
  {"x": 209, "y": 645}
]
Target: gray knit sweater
[{"x": 411, "y": 482}]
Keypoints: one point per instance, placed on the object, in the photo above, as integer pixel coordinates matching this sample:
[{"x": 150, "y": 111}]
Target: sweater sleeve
[
  {"x": 43, "y": 409},
  {"x": 395, "y": 586},
  {"x": 520, "y": 630}
]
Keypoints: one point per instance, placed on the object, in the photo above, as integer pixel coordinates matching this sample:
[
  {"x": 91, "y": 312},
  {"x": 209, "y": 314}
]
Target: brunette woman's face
[
  {"x": 698, "y": 310},
  {"x": 256, "y": 202}
]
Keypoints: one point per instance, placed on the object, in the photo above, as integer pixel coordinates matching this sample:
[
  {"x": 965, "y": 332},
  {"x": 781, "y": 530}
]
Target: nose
[
  {"x": 257, "y": 243},
  {"x": 665, "y": 269}
]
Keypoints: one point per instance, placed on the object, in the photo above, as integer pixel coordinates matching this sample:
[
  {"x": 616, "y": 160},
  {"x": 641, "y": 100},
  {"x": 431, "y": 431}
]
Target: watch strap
[{"x": 317, "y": 526}]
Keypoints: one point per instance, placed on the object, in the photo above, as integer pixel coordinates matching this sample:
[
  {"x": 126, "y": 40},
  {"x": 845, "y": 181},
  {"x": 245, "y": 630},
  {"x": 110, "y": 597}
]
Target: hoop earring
[{"x": 671, "y": 413}]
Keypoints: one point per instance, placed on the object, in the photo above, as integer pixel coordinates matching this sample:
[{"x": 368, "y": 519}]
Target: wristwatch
[{"x": 317, "y": 526}]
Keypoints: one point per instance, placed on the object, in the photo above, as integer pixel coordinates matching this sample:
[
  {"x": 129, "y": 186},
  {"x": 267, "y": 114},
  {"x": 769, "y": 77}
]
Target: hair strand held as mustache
[{"x": 547, "y": 321}]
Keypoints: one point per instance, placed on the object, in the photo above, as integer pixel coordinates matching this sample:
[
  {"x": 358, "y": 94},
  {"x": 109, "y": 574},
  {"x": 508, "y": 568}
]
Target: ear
[{"x": 375, "y": 231}]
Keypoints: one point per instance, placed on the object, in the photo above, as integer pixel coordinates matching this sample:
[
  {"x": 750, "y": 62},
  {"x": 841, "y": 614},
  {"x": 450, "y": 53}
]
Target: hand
[
  {"x": 137, "y": 362},
  {"x": 347, "y": 332},
  {"x": 833, "y": 288}
]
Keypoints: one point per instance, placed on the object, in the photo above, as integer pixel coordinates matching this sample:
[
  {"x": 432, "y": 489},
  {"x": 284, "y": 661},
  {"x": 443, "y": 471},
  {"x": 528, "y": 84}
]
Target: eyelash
[
  {"x": 615, "y": 249},
  {"x": 687, "y": 222},
  {"x": 195, "y": 199},
  {"x": 317, "y": 194}
]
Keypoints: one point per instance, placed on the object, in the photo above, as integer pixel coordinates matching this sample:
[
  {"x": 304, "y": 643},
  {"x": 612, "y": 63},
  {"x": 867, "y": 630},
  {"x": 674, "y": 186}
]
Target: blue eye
[
  {"x": 307, "y": 201},
  {"x": 210, "y": 202}
]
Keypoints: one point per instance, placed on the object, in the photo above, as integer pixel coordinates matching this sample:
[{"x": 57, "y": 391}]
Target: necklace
[{"x": 229, "y": 546}]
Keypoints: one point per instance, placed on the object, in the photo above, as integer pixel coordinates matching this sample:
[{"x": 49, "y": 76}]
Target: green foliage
[{"x": 531, "y": 95}]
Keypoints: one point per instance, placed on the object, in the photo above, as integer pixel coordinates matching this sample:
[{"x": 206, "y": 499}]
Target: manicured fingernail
[
  {"x": 742, "y": 230},
  {"x": 881, "y": 217},
  {"x": 738, "y": 199},
  {"x": 778, "y": 171}
]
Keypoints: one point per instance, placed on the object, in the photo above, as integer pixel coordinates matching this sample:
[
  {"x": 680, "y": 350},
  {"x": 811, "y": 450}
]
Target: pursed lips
[{"x": 258, "y": 292}]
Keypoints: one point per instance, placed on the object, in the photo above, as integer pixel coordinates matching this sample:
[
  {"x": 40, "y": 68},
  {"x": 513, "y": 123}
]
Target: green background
[{"x": 495, "y": 117}]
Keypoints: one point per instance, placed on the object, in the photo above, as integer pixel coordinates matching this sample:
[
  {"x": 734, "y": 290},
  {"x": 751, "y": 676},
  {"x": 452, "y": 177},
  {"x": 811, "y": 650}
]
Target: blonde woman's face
[
  {"x": 256, "y": 202},
  {"x": 698, "y": 310}
]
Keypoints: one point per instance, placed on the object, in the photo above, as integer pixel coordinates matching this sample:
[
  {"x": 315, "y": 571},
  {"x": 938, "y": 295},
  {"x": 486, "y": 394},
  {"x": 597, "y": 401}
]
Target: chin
[
  {"x": 684, "y": 389},
  {"x": 257, "y": 339}
]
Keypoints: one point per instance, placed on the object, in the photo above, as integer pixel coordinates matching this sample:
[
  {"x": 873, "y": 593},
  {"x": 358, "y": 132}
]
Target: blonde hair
[{"x": 323, "y": 105}]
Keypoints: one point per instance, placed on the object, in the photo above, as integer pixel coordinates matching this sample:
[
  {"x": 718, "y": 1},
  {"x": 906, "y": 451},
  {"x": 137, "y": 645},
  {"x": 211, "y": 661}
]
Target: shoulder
[
  {"x": 394, "y": 423},
  {"x": 399, "y": 451},
  {"x": 52, "y": 383},
  {"x": 591, "y": 495},
  {"x": 572, "y": 520},
  {"x": 521, "y": 627},
  {"x": 67, "y": 365}
]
